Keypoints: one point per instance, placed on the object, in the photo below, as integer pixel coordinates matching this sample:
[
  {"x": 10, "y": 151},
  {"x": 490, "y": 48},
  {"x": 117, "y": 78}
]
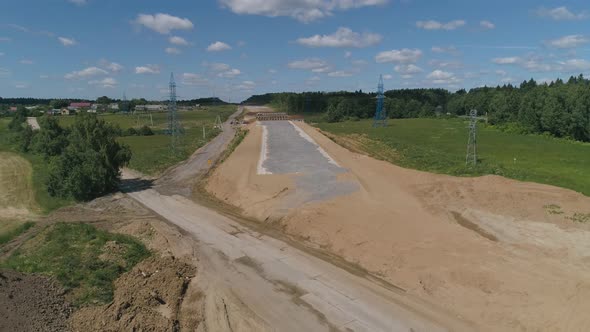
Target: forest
[{"x": 560, "y": 108}]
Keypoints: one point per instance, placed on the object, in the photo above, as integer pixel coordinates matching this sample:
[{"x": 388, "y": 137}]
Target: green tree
[
  {"x": 51, "y": 140},
  {"x": 89, "y": 166}
]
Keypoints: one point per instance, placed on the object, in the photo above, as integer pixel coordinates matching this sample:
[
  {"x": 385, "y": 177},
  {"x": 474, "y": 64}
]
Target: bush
[
  {"x": 131, "y": 132},
  {"x": 89, "y": 166},
  {"x": 145, "y": 131}
]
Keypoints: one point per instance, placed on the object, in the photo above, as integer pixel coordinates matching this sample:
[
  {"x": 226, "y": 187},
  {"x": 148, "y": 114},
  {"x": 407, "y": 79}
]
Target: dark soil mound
[{"x": 31, "y": 303}]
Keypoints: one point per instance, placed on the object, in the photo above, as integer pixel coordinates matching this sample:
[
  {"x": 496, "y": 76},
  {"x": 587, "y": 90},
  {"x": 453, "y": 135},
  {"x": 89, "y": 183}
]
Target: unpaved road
[
  {"x": 286, "y": 289},
  {"x": 32, "y": 121}
]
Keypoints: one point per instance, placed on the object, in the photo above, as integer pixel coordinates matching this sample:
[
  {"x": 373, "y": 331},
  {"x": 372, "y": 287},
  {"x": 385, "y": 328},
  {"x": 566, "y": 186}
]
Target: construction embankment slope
[{"x": 500, "y": 254}]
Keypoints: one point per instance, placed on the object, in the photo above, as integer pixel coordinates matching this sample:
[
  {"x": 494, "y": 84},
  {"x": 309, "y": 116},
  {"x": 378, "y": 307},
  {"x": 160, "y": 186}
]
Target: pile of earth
[
  {"x": 32, "y": 303},
  {"x": 147, "y": 298}
]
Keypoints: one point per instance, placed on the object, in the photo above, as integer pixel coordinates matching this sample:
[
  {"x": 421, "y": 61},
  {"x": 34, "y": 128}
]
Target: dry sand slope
[{"x": 501, "y": 254}]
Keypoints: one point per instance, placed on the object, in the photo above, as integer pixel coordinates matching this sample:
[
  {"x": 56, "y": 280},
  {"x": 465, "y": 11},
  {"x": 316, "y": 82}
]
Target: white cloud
[
  {"x": 409, "y": 69},
  {"x": 1, "y": 54},
  {"x": 172, "y": 50},
  {"x": 163, "y": 23},
  {"x": 246, "y": 85},
  {"x": 508, "y": 80},
  {"x": 575, "y": 65},
  {"x": 487, "y": 24},
  {"x": 308, "y": 64},
  {"x": 449, "y": 49},
  {"x": 359, "y": 63},
  {"x": 147, "y": 69},
  {"x": 217, "y": 66},
  {"x": 5, "y": 39},
  {"x": 26, "y": 62},
  {"x": 506, "y": 60},
  {"x": 347, "y": 54},
  {"x": 442, "y": 77},
  {"x": 194, "y": 79},
  {"x": 67, "y": 41},
  {"x": 343, "y": 37},
  {"x": 176, "y": 40},
  {"x": 570, "y": 41},
  {"x": 44, "y": 76},
  {"x": 272, "y": 71},
  {"x": 218, "y": 46},
  {"x": 561, "y": 14},
  {"x": 445, "y": 64},
  {"x": 436, "y": 25},
  {"x": 107, "y": 82},
  {"x": 21, "y": 86},
  {"x": 78, "y": 2},
  {"x": 400, "y": 56},
  {"x": 231, "y": 73},
  {"x": 85, "y": 73},
  {"x": 113, "y": 67},
  {"x": 302, "y": 10},
  {"x": 387, "y": 77},
  {"x": 340, "y": 73}
]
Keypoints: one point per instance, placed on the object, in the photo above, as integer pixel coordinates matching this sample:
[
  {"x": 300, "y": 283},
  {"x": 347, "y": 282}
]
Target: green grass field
[
  {"x": 439, "y": 146},
  {"x": 152, "y": 154},
  {"x": 85, "y": 260}
]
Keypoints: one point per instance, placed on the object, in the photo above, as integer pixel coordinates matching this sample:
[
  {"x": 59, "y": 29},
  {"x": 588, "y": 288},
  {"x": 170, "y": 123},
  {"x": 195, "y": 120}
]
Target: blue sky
[{"x": 236, "y": 48}]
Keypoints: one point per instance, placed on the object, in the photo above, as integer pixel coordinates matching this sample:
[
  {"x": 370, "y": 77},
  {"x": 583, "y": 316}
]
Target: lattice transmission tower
[
  {"x": 471, "y": 158},
  {"x": 380, "y": 115},
  {"x": 174, "y": 129}
]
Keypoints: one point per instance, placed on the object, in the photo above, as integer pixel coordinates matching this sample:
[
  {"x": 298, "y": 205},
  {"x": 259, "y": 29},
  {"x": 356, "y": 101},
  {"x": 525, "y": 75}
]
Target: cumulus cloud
[
  {"x": 230, "y": 73},
  {"x": 172, "y": 50},
  {"x": 302, "y": 10},
  {"x": 163, "y": 23},
  {"x": 506, "y": 60},
  {"x": 85, "y": 73},
  {"x": 147, "y": 69},
  {"x": 442, "y": 77},
  {"x": 67, "y": 41},
  {"x": 113, "y": 67},
  {"x": 399, "y": 56},
  {"x": 107, "y": 82},
  {"x": 445, "y": 64},
  {"x": 217, "y": 66},
  {"x": 570, "y": 41},
  {"x": 387, "y": 77},
  {"x": 343, "y": 37},
  {"x": 194, "y": 79},
  {"x": 575, "y": 65},
  {"x": 340, "y": 73},
  {"x": 409, "y": 69},
  {"x": 436, "y": 25},
  {"x": 449, "y": 49},
  {"x": 246, "y": 86},
  {"x": 487, "y": 24},
  {"x": 308, "y": 64},
  {"x": 561, "y": 14},
  {"x": 218, "y": 47},
  {"x": 26, "y": 62},
  {"x": 177, "y": 41}
]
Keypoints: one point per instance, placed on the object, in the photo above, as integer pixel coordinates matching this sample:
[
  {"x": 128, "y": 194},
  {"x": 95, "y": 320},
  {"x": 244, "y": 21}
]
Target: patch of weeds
[
  {"x": 553, "y": 209},
  {"x": 74, "y": 254},
  {"x": 8, "y": 236},
  {"x": 580, "y": 217}
]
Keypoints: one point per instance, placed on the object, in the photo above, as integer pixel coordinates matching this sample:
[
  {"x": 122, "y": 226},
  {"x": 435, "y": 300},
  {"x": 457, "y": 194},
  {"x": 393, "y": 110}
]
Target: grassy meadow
[{"x": 439, "y": 146}]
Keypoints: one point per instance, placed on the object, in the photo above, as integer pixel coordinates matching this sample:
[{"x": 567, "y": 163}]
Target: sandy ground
[
  {"x": 17, "y": 201},
  {"x": 32, "y": 121},
  {"x": 500, "y": 254}
]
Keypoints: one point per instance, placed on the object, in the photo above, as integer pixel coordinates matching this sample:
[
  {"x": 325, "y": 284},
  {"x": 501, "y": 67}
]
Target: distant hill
[{"x": 202, "y": 101}]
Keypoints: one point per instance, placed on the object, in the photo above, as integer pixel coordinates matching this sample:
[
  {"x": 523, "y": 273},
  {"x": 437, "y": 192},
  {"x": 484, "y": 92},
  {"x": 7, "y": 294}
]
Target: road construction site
[{"x": 293, "y": 232}]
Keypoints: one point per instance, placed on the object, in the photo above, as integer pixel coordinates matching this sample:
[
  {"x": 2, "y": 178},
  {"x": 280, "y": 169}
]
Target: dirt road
[
  {"x": 32, "y": 121},
  {"x": 288, "y": 289}
]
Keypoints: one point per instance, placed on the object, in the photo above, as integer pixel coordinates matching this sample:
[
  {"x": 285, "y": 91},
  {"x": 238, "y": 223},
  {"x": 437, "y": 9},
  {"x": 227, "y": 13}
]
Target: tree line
[
  {"x": 561, "y": 109},
  {"x": 84, "y": 159}
]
